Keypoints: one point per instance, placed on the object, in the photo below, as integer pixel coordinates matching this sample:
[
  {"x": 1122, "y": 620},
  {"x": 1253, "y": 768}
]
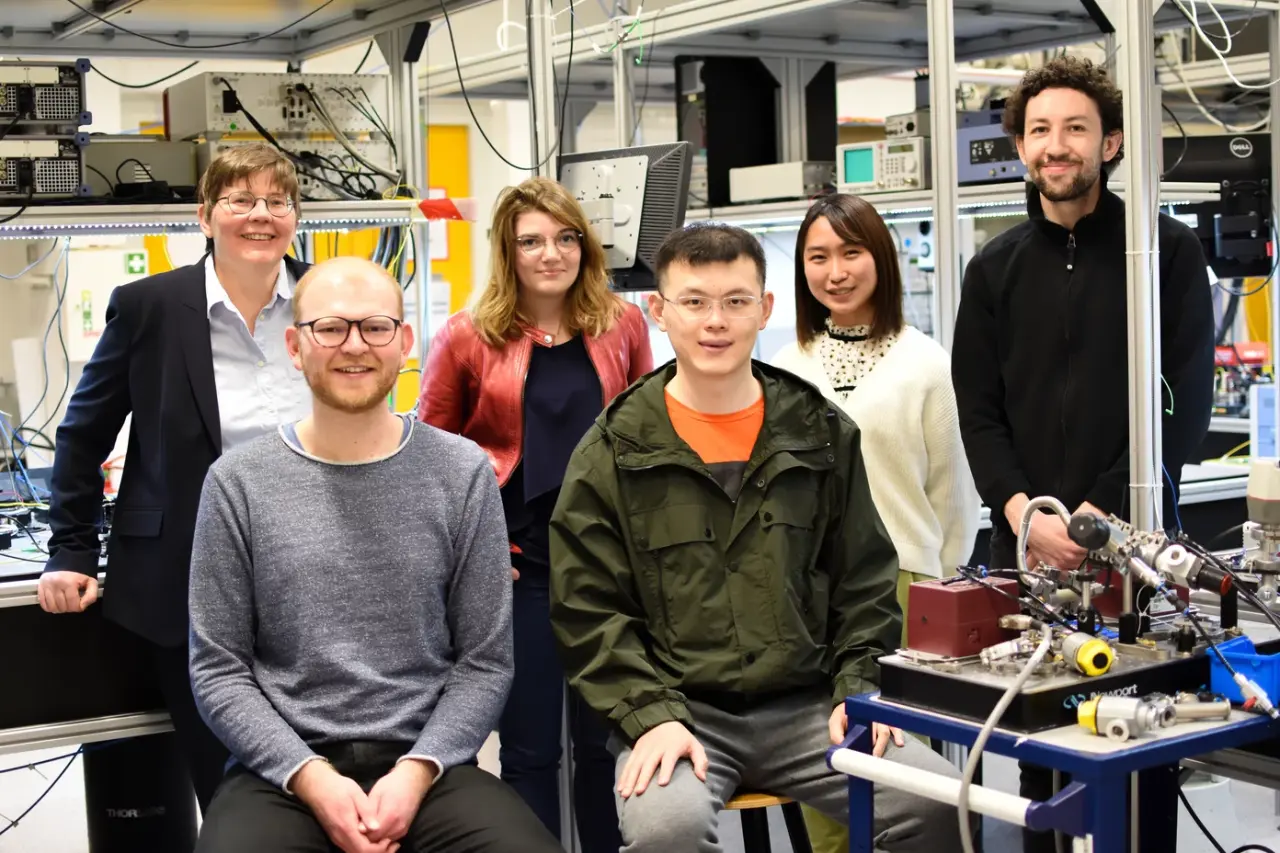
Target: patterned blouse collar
[{"x": 853, "y": 334}]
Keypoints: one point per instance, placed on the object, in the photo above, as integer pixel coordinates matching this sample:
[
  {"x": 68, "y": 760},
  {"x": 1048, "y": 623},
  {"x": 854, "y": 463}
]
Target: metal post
[
  {"x": 624, "y": 100},
  {"x": 792, "y": 145},
  {"x": 1109, "y": 45},
  {"x": 942, "y": 100},
  {"x": 1136, "y": 55},
  {"x": 410, "y": 135},
  {"x": 1274, "y": 39},
  {"x": 1134, "y": 62},
  {"x": 542, "y": 89},
  {"x": 574, "y": 113}
]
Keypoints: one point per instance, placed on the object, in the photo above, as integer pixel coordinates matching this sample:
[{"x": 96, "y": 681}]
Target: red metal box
[{"x": 958, "y": 618}]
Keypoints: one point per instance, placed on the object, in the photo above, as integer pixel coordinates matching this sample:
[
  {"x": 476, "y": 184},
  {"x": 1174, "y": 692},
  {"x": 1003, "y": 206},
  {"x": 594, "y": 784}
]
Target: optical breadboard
[
  {"x": 33, "y": 167},
  {"x": 376, "y": 151},
  {"x": 211, "y": 104},
  {"x": 45, "y": 95}
]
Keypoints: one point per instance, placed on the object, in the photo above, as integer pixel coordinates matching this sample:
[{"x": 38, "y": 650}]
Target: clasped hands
[{"x": 365, "y": 823}]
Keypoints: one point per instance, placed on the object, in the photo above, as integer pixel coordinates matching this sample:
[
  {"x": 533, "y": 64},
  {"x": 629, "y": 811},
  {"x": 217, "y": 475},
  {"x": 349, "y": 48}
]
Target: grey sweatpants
[{"x": 779, "y": 748}]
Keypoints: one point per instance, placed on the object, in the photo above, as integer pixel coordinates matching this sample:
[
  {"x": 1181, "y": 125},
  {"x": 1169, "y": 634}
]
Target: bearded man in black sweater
[{"x": 1041, "y": 349}]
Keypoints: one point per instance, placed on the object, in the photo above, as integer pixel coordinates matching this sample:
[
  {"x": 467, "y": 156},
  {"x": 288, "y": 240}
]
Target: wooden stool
[{"x": 755, "y": 821}]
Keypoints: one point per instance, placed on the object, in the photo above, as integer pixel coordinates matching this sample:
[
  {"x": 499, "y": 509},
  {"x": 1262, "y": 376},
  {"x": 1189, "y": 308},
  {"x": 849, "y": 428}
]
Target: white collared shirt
[{"x": 259, "y": 389}]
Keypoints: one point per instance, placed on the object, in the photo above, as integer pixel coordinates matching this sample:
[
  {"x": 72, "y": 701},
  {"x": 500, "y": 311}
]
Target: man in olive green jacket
[{"x": 721, "y": 580}]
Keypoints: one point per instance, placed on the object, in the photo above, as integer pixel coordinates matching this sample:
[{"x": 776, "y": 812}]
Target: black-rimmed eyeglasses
[{"x": 377, "y": 331}]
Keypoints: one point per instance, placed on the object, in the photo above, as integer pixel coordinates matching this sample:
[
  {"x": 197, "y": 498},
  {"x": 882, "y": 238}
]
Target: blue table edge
[{"x": 864, "y": 709}]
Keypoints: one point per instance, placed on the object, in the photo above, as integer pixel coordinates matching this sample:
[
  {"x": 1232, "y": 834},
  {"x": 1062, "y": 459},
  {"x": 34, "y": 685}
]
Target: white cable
[
  {"x": 979, "y": 743},
  {"x": 1195, "y": 25},
  {"x": 1175, "y": 65},
  {"x": 1028, "y": 513},
  {"x": 624, "y": 25},
  {"x": 342, "y": 140},
  {"x": 503, "y": 45},
  {"x": 1227, "y": 35},
  {"x": 567, "y": 7},
  {"x": 501, "y": 32}
]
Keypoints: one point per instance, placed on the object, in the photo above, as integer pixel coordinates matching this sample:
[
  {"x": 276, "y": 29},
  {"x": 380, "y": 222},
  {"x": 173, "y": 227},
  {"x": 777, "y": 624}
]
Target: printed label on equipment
[{"x": 1076, "y": 699}]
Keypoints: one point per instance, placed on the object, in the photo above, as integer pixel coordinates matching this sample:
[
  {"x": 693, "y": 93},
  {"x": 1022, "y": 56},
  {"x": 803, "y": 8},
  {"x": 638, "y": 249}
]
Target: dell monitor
[
  {"x": 633, "y": 198},
  {"x": 1236, "y": 232}
]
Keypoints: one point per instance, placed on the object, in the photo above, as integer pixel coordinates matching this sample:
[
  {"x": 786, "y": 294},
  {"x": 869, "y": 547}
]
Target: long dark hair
[{"x": 854, "y": 221}]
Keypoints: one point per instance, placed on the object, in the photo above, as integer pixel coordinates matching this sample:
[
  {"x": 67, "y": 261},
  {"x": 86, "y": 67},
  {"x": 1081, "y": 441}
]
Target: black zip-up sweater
[{"x": 1040, "y": 360}]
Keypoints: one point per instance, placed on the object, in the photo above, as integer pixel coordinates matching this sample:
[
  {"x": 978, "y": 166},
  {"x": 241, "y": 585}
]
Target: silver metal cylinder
[
  {"x": 1122, "y": 717},
  {"x": 1194, "y": 709},
  {"x": 624, "y": 115},
  {"x": 543, "y": 119},
  {"x": 942, "y": 93}
]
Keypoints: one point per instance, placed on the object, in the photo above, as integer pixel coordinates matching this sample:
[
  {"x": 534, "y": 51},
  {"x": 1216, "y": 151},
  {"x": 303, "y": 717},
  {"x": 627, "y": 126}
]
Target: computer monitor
[
  {"x": 633, "y": 198},
  {"x": 1236, "y": 232}
]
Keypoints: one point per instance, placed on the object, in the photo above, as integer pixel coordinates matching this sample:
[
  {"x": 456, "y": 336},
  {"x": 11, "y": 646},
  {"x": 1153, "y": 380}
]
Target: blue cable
[
  {"x": 13, "y": 439},
  {"x": 1177, "y": 517}
]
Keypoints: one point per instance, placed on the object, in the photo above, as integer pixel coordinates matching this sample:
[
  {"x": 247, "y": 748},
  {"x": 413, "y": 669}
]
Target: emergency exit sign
[{"x": 135, "y": 263}]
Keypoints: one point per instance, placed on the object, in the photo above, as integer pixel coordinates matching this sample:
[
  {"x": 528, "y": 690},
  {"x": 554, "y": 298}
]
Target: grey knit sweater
[{"x": 333, "y": 602}]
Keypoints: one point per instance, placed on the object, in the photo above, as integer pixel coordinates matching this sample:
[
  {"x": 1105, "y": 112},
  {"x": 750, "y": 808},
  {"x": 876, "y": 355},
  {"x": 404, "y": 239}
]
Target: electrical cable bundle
[{"x": 352, "y": 179}]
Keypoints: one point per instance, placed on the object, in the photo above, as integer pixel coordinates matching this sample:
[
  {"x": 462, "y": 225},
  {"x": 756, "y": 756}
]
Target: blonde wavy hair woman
[
  {"x": 589, "y": 306},
  {"x": 523, "y": 373}
]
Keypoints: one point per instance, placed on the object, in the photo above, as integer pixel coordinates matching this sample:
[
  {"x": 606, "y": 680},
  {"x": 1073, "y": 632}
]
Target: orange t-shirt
[{"x": 723, "y": 442}]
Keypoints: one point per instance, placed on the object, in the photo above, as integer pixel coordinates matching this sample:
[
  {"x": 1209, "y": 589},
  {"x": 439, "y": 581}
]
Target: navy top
[{"x": 562, "y": 398}]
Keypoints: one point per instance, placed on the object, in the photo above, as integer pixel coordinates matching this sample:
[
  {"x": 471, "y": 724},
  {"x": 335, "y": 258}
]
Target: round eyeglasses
[
  {"x": 565, "y": 242},
  {"x": 332, "y": 332},
  {"x": 737, "y": 306},
  {"x": 243, "y": 202}
]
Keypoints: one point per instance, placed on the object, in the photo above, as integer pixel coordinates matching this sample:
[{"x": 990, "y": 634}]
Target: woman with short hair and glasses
[
  {"x": 524, "y": 373},
  {"x": 197, "y": 356}
]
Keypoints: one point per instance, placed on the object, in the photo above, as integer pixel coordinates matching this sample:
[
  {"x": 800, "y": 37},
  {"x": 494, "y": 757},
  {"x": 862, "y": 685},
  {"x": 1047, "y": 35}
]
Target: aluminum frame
[{"x": 83, "y": 35}]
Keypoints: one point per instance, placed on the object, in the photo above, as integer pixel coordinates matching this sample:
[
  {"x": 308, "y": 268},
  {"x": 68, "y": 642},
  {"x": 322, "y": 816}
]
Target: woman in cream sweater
[{"x": 895, "y": 383}]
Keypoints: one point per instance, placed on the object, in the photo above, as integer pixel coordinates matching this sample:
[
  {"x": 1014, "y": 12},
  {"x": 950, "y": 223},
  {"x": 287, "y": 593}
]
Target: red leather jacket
[{"x": 477, "y": 390}]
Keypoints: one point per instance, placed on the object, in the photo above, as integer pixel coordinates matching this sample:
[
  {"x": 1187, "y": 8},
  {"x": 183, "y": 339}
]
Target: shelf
[
  {"x": 916, "y": 205},
  {"x": 134, "y": 219},
  {"x": 863, "y": 38},
  {"x": 79, "y": 732},
  {"x": 1240, "y": 426},
  {"x": 36, "y": 28}
]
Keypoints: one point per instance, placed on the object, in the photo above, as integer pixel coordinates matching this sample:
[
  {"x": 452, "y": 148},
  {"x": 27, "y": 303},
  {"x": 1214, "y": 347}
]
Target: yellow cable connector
[
  {"x": 1087, "y": 714},
  {"x": 1094, "y": 657}
]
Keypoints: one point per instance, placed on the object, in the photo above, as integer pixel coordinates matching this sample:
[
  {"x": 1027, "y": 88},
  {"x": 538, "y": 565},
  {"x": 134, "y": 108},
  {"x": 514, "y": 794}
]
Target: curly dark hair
[{"x": 1068, "y": 72}]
